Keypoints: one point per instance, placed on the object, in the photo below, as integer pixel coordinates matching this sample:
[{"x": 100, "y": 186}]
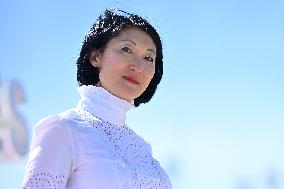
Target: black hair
[{"x": 109, "y": 25}]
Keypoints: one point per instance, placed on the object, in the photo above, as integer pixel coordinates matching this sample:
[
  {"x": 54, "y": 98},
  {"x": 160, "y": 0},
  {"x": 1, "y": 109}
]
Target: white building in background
[{"x": 14, "y": 139}]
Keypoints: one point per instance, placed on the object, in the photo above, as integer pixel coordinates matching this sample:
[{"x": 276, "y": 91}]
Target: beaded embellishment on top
[
  {"x": 132, "y": 153},
  {"x": 44, "y": 179}
]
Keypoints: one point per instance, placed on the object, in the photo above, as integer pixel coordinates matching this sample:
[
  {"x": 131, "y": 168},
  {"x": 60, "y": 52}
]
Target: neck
[{"x": 103, "y": 105}]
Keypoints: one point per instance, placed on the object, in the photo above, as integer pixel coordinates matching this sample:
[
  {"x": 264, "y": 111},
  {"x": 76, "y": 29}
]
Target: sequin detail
[
  {"x": 135, "y": 164},
  {"x": 43, "y": 179}
]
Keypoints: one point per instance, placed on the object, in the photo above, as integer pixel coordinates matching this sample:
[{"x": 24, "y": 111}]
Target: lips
[{"x": 131, "y": 80}]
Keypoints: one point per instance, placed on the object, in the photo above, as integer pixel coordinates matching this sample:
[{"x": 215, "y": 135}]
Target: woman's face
[{"x": 127, "y": 65}]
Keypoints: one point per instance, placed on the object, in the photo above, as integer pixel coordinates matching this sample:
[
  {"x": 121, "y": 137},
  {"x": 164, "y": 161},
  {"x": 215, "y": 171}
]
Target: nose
[{"x": 136, "y": 65}]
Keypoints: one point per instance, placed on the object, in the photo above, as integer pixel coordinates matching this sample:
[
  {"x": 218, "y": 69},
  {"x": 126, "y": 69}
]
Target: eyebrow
[{"x": 126, "y": 40}]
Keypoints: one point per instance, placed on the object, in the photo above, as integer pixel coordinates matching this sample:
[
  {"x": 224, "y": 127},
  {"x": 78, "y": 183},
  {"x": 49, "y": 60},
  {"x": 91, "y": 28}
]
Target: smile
[{"x": 131, "y": 80}]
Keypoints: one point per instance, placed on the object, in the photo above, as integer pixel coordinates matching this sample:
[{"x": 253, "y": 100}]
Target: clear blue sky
[{"x": 217, "y": 120}]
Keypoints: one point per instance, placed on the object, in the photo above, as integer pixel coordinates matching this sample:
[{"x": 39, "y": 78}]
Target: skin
[{"x": 127, "y": 65}]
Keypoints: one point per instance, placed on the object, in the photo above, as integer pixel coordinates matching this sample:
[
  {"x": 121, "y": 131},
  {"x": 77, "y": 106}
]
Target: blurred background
[{"x": 217, "y": 119}]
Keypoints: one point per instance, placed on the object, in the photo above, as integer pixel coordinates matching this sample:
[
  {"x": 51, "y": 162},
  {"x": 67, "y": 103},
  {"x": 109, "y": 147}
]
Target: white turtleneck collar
[{"x": 104, "y": 105}]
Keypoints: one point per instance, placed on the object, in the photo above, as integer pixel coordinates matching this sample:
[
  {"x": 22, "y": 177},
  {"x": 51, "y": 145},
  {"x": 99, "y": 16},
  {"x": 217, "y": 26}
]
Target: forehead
[{"x": 139, "y": 37}]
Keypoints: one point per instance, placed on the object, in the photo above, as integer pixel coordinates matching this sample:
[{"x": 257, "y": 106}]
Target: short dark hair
[{"x": 109, "y": 25}]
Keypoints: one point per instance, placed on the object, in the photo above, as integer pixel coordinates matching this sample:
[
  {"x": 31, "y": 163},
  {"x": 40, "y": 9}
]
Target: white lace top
[{"x": 90, "y": 147}]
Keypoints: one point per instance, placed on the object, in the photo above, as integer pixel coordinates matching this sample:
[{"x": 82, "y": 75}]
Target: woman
[{"x": 90, "y": 147}]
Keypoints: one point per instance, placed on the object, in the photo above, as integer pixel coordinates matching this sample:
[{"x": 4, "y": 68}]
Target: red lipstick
[{"x": 131, "y": 80}]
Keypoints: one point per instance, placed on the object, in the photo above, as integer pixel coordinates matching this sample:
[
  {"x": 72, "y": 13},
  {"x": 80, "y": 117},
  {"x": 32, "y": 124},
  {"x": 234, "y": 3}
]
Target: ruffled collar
[{"x": 104, "y": 105}]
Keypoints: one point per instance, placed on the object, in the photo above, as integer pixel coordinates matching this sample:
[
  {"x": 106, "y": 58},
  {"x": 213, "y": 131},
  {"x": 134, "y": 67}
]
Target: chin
[{"x": 130, "y": 94}]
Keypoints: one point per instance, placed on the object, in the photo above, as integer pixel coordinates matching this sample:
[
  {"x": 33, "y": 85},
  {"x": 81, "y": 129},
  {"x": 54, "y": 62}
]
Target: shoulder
[
  {"x": 47, "y": 123},
  {"x": 61, "y": 121},
  {"x": 51, "y": 122},
  {"x": 49, "y": 130},
  {"x": 54, "y": 127},
  {"x": 147, "y": 145},
  {"x": 142, "y": 142},
  {"x": 69, "y": 125}
]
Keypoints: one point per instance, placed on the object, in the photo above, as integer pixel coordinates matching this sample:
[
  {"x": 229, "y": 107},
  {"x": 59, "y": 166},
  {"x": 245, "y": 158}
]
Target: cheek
[
  {"x": 116, "y": 61},
  {"x": 110, "y": 65},
  {"x": 148, "y": 77},
  {"x": 150, "y": 72}
]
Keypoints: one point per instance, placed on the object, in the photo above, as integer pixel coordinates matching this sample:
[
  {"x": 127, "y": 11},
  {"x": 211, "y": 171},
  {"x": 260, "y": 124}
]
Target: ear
[{"x": 95, "y": 58}]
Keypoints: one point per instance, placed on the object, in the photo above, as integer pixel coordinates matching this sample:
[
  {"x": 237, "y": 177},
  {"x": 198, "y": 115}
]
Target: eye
[
  {"x": 126, "y": 49},
  {"x": 149, "y": 59}
]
